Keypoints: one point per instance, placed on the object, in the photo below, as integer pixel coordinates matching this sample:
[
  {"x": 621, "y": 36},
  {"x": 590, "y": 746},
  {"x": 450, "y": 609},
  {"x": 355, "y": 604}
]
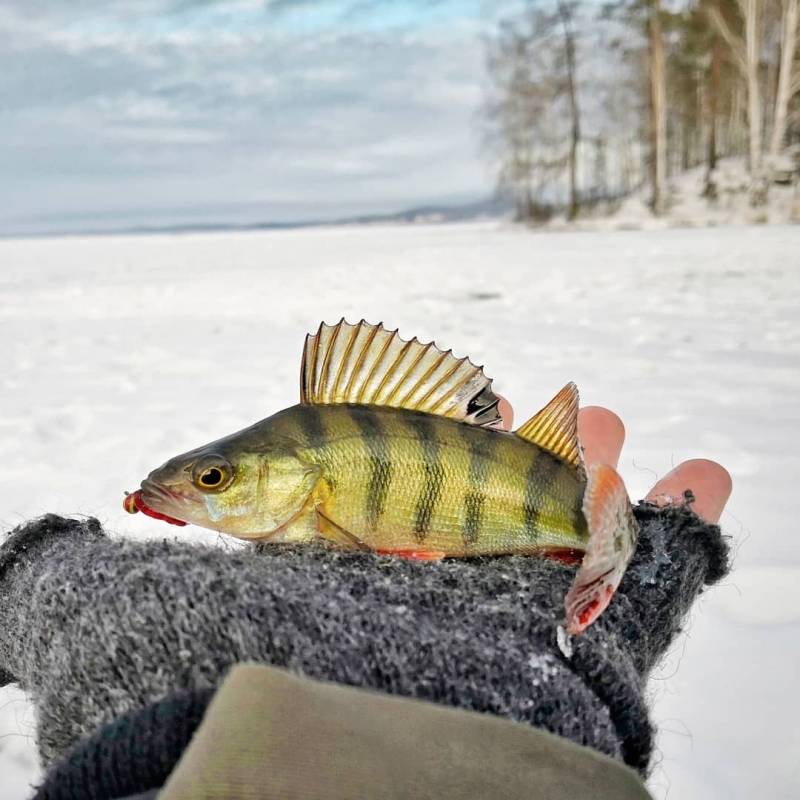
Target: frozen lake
[{"x": 123, "y": 351}]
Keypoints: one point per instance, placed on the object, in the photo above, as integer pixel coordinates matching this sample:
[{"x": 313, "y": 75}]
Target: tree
[
  {"x": 714, "y": 92},
  {"x": 646, "y": 17},
  {"x": 566, "y": 13},
  {"x": 698, "y": 80},
  {"x": 788, "y": 74},
  {"x": 518, "y": 101},
  {"x": 533, "y": 106},
  {"x": 658, "y": 105},
  {"x": 745, "y": 50},
  {"x": 700, "y": 88}
]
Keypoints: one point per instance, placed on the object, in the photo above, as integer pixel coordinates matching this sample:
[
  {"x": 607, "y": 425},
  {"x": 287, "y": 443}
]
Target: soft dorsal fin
[
  {"x": 369, "y": 365},
  {"x": 555, "y": 427}
]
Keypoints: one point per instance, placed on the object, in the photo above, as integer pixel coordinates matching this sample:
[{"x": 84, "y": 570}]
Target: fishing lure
[{"x": 396, "y": 447}]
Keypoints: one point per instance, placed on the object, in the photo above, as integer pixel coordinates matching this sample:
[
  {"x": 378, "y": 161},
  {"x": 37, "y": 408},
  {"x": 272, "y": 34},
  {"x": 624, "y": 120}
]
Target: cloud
[{"x": 207, "y": 108}]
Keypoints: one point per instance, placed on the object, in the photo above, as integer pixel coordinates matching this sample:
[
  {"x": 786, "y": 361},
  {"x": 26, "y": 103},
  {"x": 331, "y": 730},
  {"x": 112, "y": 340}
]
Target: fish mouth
[{"x": 171, "y": 505}]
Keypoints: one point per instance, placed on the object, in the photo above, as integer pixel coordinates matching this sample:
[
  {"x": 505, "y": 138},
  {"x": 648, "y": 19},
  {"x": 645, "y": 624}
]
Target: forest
[{"x": 586, "y": 103}]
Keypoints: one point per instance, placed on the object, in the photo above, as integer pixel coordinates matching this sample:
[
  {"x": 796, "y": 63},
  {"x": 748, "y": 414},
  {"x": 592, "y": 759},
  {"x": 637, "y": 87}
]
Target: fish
[{"x": 396, "y": 447}]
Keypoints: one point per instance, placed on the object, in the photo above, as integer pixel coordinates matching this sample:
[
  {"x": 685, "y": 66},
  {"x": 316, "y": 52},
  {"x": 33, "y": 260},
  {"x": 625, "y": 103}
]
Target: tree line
[{"x": 587, "y": 103}]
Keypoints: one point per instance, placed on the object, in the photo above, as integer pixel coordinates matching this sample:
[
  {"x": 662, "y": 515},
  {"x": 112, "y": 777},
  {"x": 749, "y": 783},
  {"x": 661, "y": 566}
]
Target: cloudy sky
[{"x": 118, "y": 113}]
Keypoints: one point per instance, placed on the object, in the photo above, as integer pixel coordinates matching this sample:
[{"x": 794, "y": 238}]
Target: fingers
[
  {"x": 506, "y": 412},
  {"x": 709, "y": 482},
  {"x": 601, "y": 434}
]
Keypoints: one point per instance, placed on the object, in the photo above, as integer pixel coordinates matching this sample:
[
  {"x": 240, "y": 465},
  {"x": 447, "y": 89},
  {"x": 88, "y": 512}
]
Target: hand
[{"x": 602, "y": 435}]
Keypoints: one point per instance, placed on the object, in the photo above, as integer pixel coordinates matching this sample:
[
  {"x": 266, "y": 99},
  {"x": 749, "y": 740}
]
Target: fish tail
[{"x": 612, "y": 542}]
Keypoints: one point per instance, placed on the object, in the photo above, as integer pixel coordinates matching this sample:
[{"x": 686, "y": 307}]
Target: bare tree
[
  {"x": 646, "y": 19},
  {"x": 701, "y": 86},
  {"x": 517, "y": 109},
  {"x": 533, "y": 106},
  {"x": 746, "y": 55},
  {"x": 566, "y": 13},
  {"x": 788, "y": 76},
  {"x": 714, "y": 90},
  {"x": 600, "y": 169},
  {"x": 658, "y": 106}
]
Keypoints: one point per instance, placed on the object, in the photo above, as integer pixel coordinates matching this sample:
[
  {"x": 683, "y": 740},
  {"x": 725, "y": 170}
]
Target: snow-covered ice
[{"x": 122, "y": 351}]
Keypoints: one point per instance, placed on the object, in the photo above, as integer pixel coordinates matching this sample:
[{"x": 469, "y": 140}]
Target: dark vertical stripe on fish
[
  {"x": 542, "y": 472},
  {"x": 481, "y": 445},
  {"x": 313, "y": 427},
  {"x": 473, "y": 518},
  {"x": 380, "y": 463},
  {"x": 434, "y": 475},
  {"x": 578, "y": 519}
]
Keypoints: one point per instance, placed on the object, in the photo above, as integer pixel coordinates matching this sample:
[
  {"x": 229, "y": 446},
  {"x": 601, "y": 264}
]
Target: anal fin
[{"x": 612, "y": 542}]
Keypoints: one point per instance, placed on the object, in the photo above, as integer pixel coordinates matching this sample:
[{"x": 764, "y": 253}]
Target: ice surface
[{"x": 123, "y": 351}]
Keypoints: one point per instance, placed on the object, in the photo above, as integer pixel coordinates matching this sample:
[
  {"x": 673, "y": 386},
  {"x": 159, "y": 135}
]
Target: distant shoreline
[{"x": 491, "y": 208}]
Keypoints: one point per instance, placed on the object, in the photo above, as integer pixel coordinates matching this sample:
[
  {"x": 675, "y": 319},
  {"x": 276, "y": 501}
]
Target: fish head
[{"x": 232, "y": 486}]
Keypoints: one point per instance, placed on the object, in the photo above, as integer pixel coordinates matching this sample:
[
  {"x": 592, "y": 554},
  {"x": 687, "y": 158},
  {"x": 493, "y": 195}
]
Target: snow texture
[
  {"x": 123, "y": 351},
  {"x": 688, "y": 207}
]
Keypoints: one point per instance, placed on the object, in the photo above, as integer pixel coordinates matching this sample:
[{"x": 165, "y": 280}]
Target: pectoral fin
[
  {"x": 612, "y": 542},
  {"x": 329, "y": 530},
  {"x": 301, "y": 528}
]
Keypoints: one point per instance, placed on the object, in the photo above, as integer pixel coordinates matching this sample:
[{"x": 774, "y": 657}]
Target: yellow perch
[{"x": 395, "y": 447}]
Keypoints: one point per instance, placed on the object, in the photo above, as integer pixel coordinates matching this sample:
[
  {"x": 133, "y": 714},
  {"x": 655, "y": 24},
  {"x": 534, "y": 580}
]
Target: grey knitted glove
[{"x": 93, "y": 627}]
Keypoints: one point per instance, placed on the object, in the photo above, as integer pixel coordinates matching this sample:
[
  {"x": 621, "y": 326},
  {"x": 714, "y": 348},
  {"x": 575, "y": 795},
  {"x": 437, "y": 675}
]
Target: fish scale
[{"x": 399, "y": 479}]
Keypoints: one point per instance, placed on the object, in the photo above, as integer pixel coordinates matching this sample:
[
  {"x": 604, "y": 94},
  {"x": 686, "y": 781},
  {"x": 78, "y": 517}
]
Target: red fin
[
  {"x": 566, "y": 555},
  {"x": 413, "y": 555},
  {"x": 612, "y": 541}
]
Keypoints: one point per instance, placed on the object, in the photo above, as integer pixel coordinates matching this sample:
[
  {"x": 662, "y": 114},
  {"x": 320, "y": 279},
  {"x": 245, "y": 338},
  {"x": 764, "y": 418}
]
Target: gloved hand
[{"x": 94, "y": 626}]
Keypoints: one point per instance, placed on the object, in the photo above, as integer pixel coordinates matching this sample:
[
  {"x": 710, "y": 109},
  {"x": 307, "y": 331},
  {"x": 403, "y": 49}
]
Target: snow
[
  {"x": 687, "y": 207},
  {"x": 123, "y": 351}
]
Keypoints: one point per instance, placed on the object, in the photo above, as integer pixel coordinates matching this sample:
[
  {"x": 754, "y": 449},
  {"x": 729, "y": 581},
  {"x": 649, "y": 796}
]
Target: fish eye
[
  {"x": 212, "y": 477},
  {"x": 212, "y": 474}
]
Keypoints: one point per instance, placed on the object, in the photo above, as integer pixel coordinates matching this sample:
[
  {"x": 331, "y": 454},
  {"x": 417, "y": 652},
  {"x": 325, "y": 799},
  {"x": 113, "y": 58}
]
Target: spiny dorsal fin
[
  {"x": 369, "y": 365},
  {"x": 555, "y": 427}
]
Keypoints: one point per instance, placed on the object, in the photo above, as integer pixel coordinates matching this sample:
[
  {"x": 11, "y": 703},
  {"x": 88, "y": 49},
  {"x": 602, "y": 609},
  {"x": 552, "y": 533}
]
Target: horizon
[{"x": 495, "y": 207}]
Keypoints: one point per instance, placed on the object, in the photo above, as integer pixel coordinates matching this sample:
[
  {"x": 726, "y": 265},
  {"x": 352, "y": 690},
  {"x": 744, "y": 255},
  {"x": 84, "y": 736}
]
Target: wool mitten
[{"x": 94, "y": 627}]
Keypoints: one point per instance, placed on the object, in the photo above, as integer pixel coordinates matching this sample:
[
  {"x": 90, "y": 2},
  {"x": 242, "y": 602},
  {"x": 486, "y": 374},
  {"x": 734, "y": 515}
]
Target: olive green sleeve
[{"x": 271, "y": 734}]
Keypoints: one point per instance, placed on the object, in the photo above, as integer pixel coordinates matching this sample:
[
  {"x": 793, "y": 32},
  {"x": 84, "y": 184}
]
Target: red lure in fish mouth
[{"x": 134, "y": 502}]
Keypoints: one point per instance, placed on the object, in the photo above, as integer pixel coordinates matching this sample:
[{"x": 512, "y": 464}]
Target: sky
[{"x": 163, "y": 112}]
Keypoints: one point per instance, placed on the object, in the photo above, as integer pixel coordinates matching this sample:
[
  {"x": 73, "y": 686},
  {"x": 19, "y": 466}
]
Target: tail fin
[{"x": 612, "y": 542}]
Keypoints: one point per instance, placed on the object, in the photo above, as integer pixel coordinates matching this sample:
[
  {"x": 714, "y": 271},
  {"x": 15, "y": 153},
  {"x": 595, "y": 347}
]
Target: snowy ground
[
  {"x": 688, "y": 207},
  {"x": 123, "y": 351}
]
